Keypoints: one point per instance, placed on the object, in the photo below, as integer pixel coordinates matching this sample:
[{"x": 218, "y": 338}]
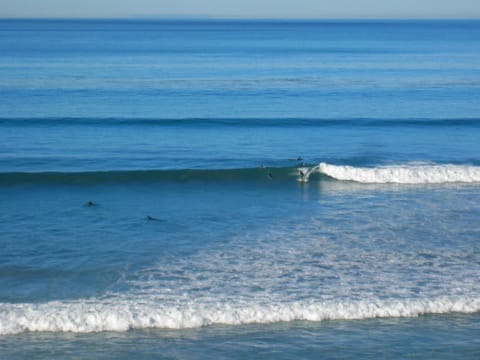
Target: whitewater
[
  {"x": 399, "y": 174},
  {"x": 123, "y": 315}
]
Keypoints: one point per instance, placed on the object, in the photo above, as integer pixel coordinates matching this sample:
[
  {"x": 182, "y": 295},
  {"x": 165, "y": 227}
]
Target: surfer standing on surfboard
[{"x": 302, "y": 175}]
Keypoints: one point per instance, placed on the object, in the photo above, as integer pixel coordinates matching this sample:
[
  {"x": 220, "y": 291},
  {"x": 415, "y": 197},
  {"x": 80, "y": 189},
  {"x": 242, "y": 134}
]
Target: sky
[{"x": 295, "y": 9}]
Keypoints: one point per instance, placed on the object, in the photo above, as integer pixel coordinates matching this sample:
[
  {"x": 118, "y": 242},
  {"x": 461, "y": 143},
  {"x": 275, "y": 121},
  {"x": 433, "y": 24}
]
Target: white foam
[
  {"x": 123, "y": 315},
  {"x": 402, "y": 174}
]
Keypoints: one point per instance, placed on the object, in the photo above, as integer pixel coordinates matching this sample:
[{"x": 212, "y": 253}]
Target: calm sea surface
[{"x": 150, "y": 202}]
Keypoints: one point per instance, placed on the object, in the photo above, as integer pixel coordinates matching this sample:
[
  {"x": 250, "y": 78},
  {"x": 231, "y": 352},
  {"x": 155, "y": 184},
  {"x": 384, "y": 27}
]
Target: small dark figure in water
[
  {"x": 302, "y": 174},
  {"x": 90, "y": 204},
  {"x": 151, "y": 218},
  {"x": 270, "y": 176},
  {"x": 299, "y": 158}
]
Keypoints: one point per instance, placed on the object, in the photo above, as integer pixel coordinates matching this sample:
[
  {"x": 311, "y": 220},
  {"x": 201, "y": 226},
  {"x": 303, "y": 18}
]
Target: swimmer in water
[
  {"x": 90, "y": 204},
  {"x": 270, "y": 176},
  {"x": 151, "y": 218}
]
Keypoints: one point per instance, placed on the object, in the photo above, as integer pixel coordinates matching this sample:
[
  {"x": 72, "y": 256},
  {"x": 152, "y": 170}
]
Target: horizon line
[{"x": 238, "y": 18}]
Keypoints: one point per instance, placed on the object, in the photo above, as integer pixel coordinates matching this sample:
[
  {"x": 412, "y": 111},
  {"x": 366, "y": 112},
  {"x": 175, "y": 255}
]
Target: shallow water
[{"x": 440, "y": 337}]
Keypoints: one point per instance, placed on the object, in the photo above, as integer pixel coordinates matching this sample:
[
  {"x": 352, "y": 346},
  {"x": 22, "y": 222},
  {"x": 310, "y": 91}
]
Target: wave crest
[
  {"x": 403, "y": 174},
  {"x": 96, "y": 316}
]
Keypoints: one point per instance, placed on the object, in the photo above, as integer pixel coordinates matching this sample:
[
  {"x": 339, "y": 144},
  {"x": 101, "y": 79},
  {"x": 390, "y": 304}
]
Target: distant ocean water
[{"x": 239, "y": 189}]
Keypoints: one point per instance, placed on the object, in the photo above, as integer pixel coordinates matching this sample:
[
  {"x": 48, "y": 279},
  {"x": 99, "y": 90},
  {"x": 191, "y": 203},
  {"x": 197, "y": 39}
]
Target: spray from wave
[{"x": 399, "y": 174}]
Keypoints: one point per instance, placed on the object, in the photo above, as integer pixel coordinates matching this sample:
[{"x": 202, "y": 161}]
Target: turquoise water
[{"x": 151, "y": 202}]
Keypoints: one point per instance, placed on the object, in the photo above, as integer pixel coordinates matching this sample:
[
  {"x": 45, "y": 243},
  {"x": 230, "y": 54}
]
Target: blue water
[{"x": 151, "y": 203}]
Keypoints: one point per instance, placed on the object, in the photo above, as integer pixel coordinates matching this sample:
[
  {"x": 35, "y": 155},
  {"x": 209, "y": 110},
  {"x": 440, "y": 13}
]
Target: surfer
[
  {"x": 298, "y": 158},
  {"x": 302, "y": 174},
  {"x": 270, "y": 176},
  {"x": 89, "y": 204}
]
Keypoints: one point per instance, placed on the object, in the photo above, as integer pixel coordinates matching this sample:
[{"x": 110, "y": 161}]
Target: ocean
[{"x": 226, "y": 189}]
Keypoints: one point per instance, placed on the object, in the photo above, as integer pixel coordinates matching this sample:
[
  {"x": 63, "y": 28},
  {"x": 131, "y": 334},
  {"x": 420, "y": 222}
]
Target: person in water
[
  {"x": 151, "y": 218},
  {"x": 90, "y": 204},
  {"x": 270, "y": 176}
]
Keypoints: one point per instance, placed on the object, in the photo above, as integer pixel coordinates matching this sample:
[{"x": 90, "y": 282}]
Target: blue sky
[{"x": 243, "y": 8}]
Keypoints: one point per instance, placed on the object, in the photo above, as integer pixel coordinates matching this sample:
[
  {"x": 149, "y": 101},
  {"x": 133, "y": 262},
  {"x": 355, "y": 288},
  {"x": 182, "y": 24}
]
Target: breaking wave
[
  {"x": 123, "y": 315},
  {"x": 402, "y": 174}
]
